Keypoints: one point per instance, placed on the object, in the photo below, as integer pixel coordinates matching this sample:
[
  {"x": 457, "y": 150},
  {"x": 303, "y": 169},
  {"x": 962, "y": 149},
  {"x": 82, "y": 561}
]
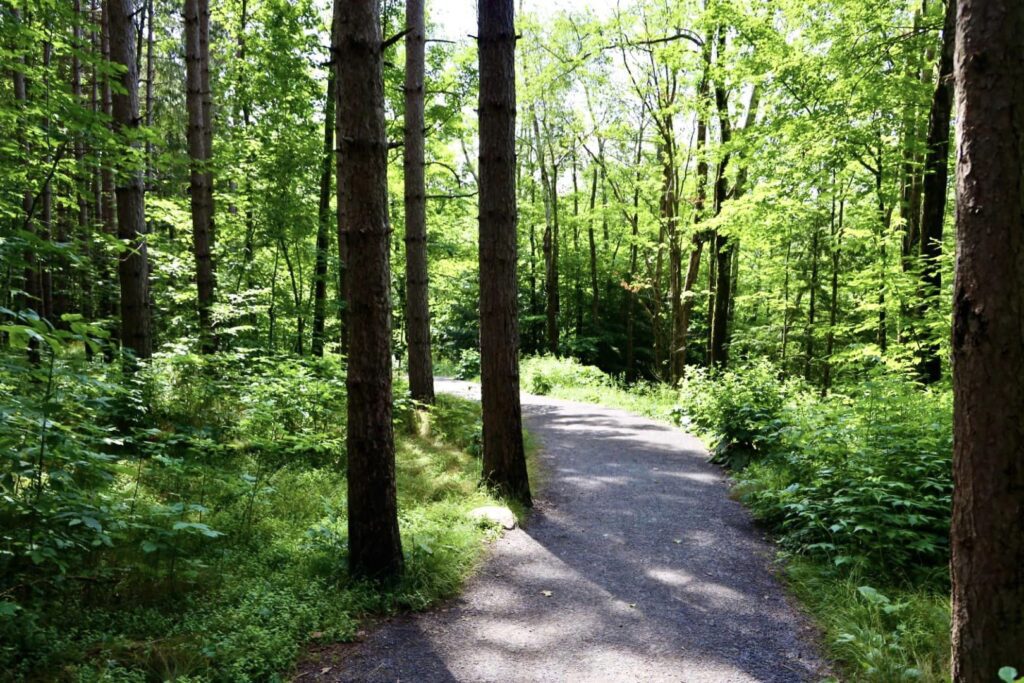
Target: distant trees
[
  {"x": 504, "y": 461},
  {"x": 375, "y": 549},
  {"x": 988, "y": 344}
]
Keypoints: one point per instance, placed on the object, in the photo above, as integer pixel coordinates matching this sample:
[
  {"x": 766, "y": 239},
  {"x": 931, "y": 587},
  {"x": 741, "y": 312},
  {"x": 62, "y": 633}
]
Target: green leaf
[{"x": 1008, "y": 674}]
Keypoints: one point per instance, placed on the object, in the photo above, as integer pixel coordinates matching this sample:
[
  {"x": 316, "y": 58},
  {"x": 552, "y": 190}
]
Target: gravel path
[{"x": 635, "y": 566}]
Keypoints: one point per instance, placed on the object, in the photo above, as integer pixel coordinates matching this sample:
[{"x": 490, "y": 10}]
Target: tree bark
[
  {"x": 988, "y": 343},
  {"x": 323, "y": 224},
  {"x": 199, "y": 177},
  {"x": 723, "y": 247},
  {"x": 133, "y": 264},
  {"x": 375, "y": 549},
  {"x": 504, "y": 461},
  {"x": 339, "y": 164},
  {"x": 417, "y": 324},
  {"x": 936, "y": 179}
]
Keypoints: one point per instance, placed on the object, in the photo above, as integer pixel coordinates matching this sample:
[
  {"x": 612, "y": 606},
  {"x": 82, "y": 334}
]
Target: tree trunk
[
  {"x": 417, "y": 311},
  {"x": 595, "y": 292},
  {"x": 833, "y": 312},
  {"x": 703, "y": 173},
  {"x": 323, "y": 224},
  {"x": 199, "y": 178},
  {"x": 375, "y": 549},
  {"x": 133, "y": 264},
  {"x": 549, "y": 181},
  {"x": 988, "y": 344},
  {"x": 339, "y": 167},
  {"x": 504, "y": 461},
  {"x": 936, "y": 178},
  {"x": 723, "y": 247}
]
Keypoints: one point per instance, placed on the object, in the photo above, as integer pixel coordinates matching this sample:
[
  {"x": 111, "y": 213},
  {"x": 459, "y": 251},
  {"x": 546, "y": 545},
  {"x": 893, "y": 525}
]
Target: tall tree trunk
[
  {"x": 504, "y": 461},
  {"x": 988, "y": 343},
  {"x": 323, "y": 232},
  {"x": 703, "y": 174},
  {"x": 375, "y": 549},
  {"x": 595, "y": 294},
  {"x": 133, "y": 264},
  {"x": 549, "y": 182},
  {"x": 936, "y": 178},
  {"x": 812, "y": 310},
  {"x": 107, "y": 208},
  {"x": 199, "y": 186},
  {"x": 421, "y": 369},
  {"x": 833, "y": 311},
  {"x": 339, "y": 165},
  {"x": 723, "y": 247}
]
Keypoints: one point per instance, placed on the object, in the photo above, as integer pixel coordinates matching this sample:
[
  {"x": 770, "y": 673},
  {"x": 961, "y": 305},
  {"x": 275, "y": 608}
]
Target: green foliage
[
  {"x": 207, "y": 493},
  {"x": 878, "y": 636},
  {"x": 738, "y": 410},
  {"x": 468, "y": 364}
]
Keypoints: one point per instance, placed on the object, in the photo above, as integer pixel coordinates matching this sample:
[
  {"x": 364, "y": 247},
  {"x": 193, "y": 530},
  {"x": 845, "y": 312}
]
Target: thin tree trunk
[
  {"x": 833, "y": 312},
  {"x": 323, "y": 224},
  {"x": 339, "y": 167},
  {"x": 595, "y": 291},
  {"x": 417, "y": 318},
  {"x": 988, "y": 344},
  {"x": 723, "y": 247},
  {"x": 375, "y": 548},
  {"x": 812, "y": 306},
  {"x": 936, "y": 178},
  {"x": 504, "y": 461},
  {"x": 133, "y": 264},
  {"x": 201, "y": 201}
]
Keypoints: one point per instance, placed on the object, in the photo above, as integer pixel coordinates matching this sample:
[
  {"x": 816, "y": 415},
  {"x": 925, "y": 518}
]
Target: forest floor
[{"x": 635, "y": 565}]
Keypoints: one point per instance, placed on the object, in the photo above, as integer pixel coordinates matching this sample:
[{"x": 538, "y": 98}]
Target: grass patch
[{"x": 876, "y": 635}]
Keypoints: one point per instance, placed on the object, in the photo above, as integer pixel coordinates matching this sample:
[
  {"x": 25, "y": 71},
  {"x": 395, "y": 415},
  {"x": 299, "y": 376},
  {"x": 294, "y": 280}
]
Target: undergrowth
[{"x": 186, "y": 521}]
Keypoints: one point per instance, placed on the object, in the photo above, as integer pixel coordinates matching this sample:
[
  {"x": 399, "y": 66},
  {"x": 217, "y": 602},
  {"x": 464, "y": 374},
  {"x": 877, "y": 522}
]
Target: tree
[
  {"x": 197, "y": 59},
  {"x": 417, "y": 324},
  {"x": 936, "y": 180},
  {"x": 504, "y": 460},
  {"x": 133, "y": 264},
  {"x": 988, "y": 344},
  {"x": 375, "y": 549},
  {"x": 324, "y": 221}
]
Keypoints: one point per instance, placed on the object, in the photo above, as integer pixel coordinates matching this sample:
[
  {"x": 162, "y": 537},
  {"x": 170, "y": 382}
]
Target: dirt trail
[{"x": 635, "y": 566}]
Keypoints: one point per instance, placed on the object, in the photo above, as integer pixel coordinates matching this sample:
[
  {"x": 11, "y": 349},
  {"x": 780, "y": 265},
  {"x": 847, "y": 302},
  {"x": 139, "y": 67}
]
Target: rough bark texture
[
  {"x": 342, "y": 246},
  {"x": 504, "y": 461},
  {"x": 374, "y": 545},
  {"x": 417, "y": 306},
  {"x": 988, "y": 343},
  {"x": 199, "y": 178},
  {"x": 936, "y": 178},
  {"x": 323, "y": 232},
  {"x": 133, "y": 264}
]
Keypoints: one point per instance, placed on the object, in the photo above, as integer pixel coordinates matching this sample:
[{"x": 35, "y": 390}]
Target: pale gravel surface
[{"x": 655, "y": 574}]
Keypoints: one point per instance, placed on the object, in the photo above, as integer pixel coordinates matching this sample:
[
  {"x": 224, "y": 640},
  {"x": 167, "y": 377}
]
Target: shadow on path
[{"x": 654, "y": 574}]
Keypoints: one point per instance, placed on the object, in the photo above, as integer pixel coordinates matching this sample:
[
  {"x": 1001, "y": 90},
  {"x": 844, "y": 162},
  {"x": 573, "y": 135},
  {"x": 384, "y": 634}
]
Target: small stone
[{"x": 496, "y": 514}]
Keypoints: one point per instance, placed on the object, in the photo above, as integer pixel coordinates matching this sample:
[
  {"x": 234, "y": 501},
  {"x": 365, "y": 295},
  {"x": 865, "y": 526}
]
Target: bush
[
  {"x": 468, "y": 365},
  {"x": 739, "y": 411}
]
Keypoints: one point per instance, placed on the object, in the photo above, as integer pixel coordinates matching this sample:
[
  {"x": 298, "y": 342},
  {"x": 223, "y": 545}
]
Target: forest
[{"x": 240, "y": 240}]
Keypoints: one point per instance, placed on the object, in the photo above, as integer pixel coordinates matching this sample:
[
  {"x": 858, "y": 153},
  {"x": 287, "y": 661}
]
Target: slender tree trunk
[
  {"x": 833, "y": 312},
  {"x": 723, "y": 247},
  {"x": 133, "y": 264},
  {"x": 988, "y": 344},
  {"x": 339, "y": 167},
  {"x": 323, "y": 232},
  {"x": 549, "y": 181},
  {"x": 375, "y": 549},
  {"x": 936, "y": 178},
  {"x": 107, "y": 208},
  {"x": 421, "y": 369},
  {"x": 595, "y": 291},
  {"x": 812, "y": 310},
  {"x": 199, "y": 185},
  {"x": 504, "y": 461}
]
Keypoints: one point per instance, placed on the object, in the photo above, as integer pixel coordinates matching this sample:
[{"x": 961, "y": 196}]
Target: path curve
[{"x": 654, "y": 574}]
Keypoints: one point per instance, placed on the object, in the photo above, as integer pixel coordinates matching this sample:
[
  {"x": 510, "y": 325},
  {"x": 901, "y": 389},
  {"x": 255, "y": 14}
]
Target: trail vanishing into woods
[{"x": 634, "y": 566}]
